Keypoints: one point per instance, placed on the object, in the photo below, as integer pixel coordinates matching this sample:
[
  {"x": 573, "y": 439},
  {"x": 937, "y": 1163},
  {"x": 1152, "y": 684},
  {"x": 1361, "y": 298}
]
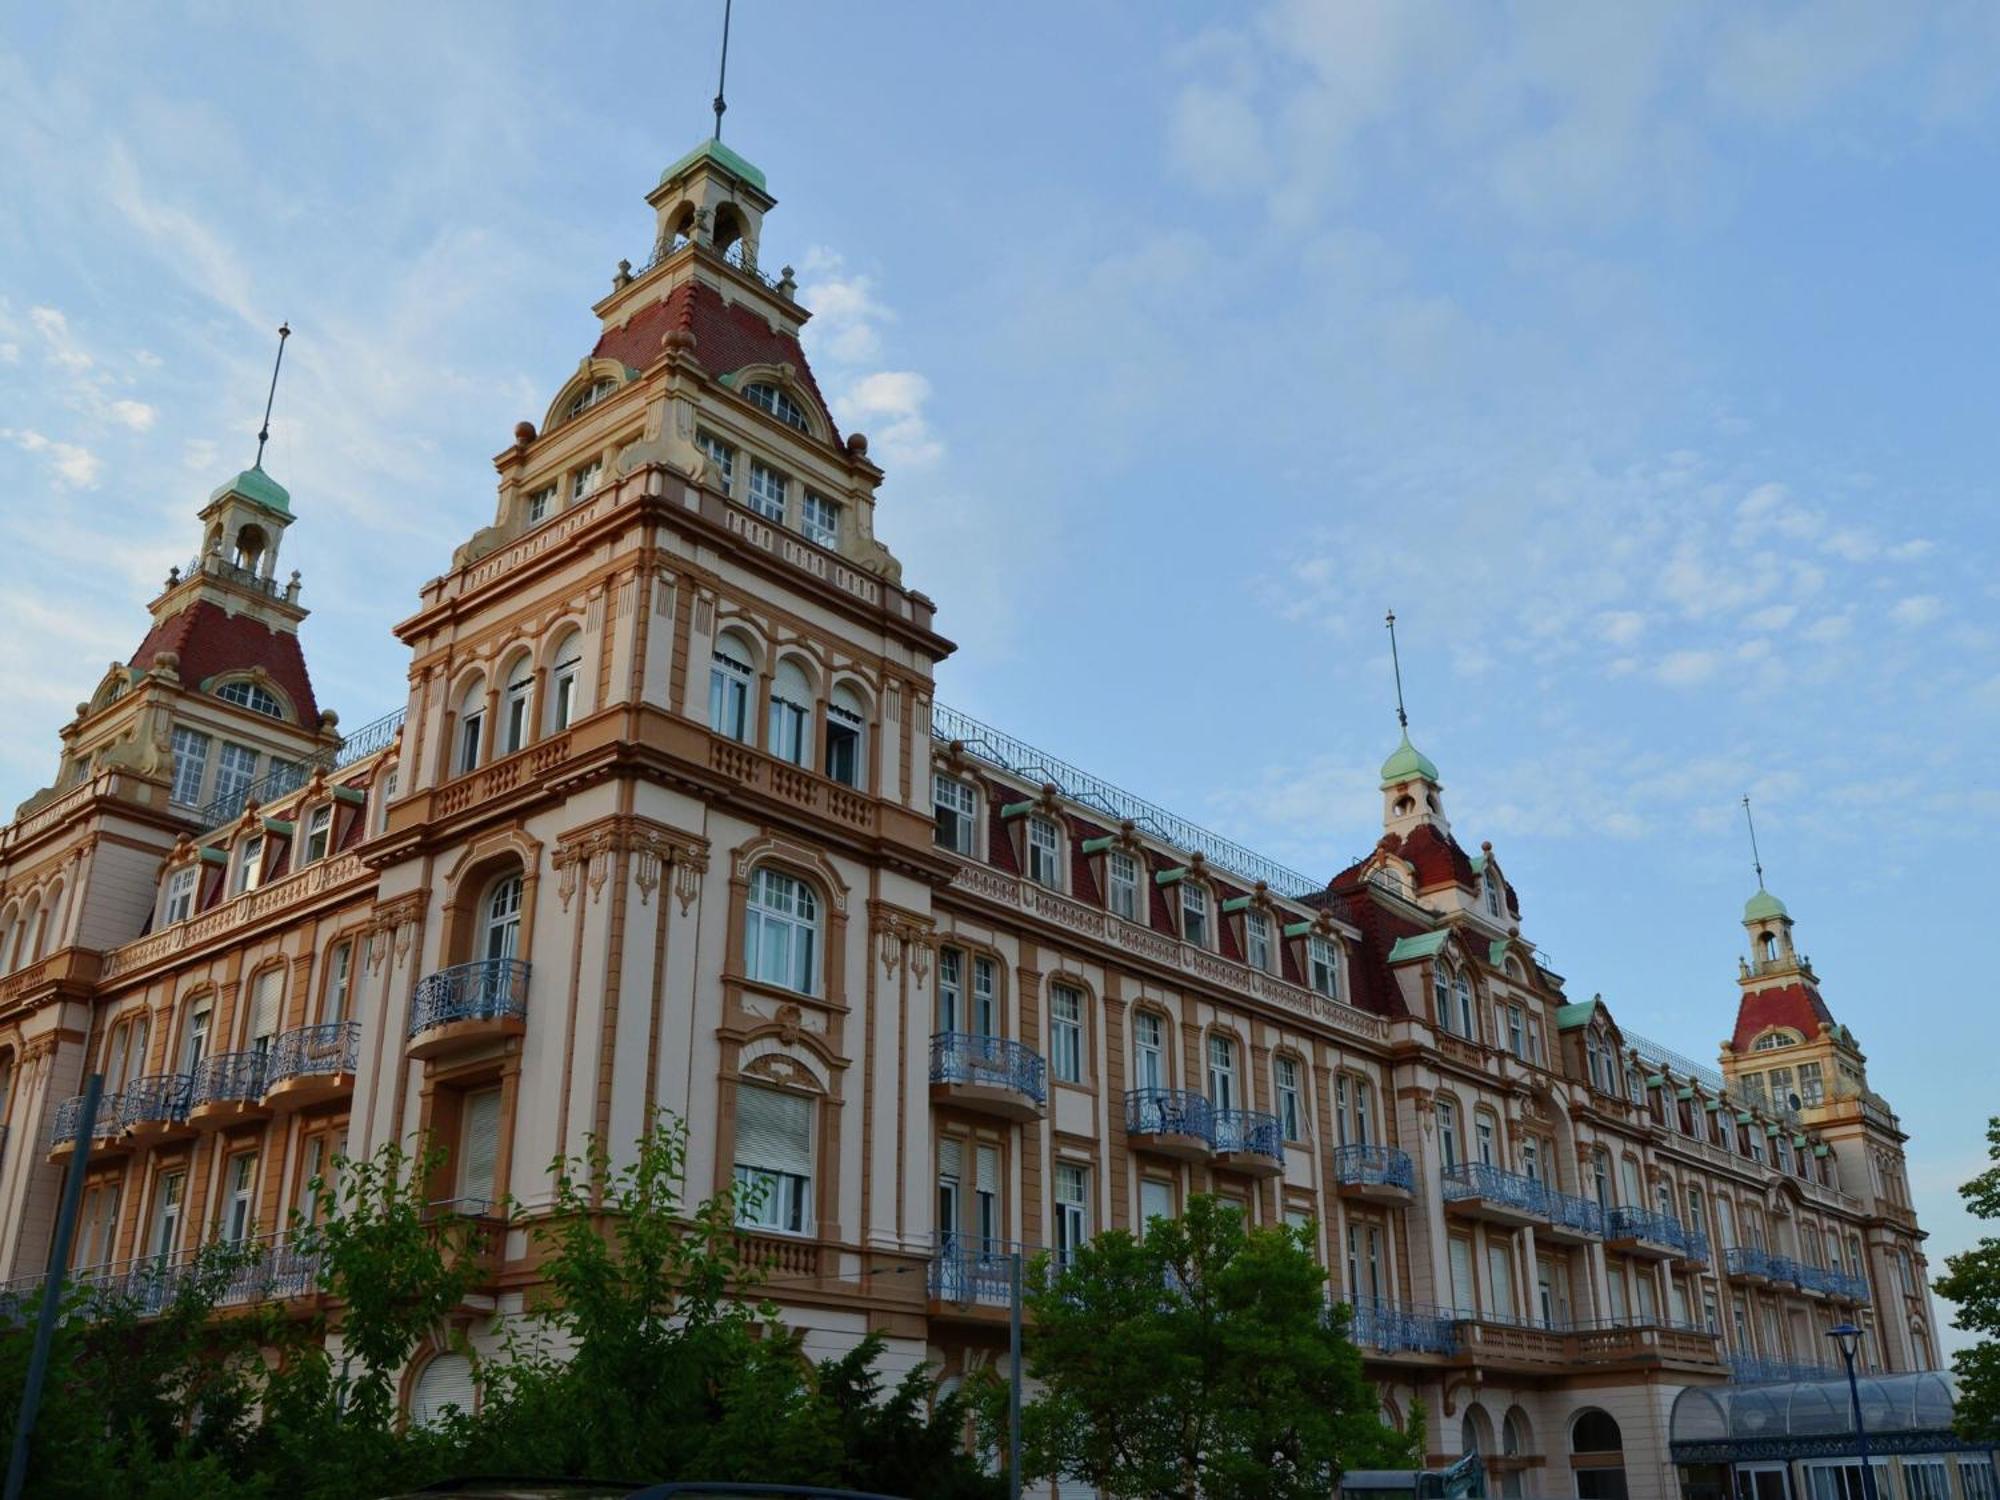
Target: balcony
[
  {"x": 989, "y": 1074},
  {"x": 1650, "y": 1343},
  {"x": 486, "y": 1001},
  {"x": 973, "y": 1277},
  {"x": 1756, "y": 1369},
  {"x": 1786, "y": 1272},
  {"x": 1479, "y": 1190},
  {"x": 1389, "y": 1329},
  {"x": 1812, "y": 1280},
  {"x": 1748, "y": 1264},
  {"x": 267, "y": 1268},
  {"x": 1170, "y": 1122},
  {"x": 1498, "y": 1340},
  {"x": 1374, "y": 1174},
  {"x": 227, "y": 1089},
  {"x": 1248, "y": 1140},
  {"x": 156, "y": 1108},
  {"x": 1846, "y": 1286},
  {"x": 312, "y": 1064},
  {"x": 69, "y": 1115},
  {"x": 1645, "y": 1233},
  {"x": 1572, "y": 1220},
  {"x": 1694, "y": 1252}
]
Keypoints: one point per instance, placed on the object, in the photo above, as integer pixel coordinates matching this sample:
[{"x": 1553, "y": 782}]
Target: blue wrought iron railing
[
  {"x": 1377, "y": 1324},
  {"x": 287, "y": 776},
  {"x": 974, "y": 1271},
  {"x": 1784, "y": 1268},
  {"x": 1169, "y": 1112},
  {"x": 965, "y": 1057},
  {"x": 1478, "y": 1179},
  {"x": 1747, "y": 1260},
  {"x": 69, "y": 1115},
  {"x": 309, "y": 1051},
  {"x": 1849, "y": 1286},
  {"x": 1694, "y": 1245},
  {"x": 1248, "y": 1132},
  {"x": 1374, "y": 1166},
  {"x": 1568, "y": 1211},
  {"x": 262, "y": 1268},
  {"x": 159, "y": 1100},
  {"x": 1629, "y": 1222},
  {"x": 489, "y": 989},
  {"x": 228, "y": 1078},
  {"x": 1751, "y": 1369}
]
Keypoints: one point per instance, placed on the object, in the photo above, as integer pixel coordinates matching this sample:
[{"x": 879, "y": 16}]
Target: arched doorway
[{"x": 1597, "y": 1454}]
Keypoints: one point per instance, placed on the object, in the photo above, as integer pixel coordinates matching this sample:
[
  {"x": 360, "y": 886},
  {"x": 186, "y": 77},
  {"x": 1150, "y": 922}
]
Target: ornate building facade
[{"x": 671, "y": 818}]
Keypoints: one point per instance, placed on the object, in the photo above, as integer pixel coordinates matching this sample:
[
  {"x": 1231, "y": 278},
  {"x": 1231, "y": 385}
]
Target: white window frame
[
  {"x": 502, "y": 930},
  {"x": 788, "y": 720},
  {"x": 769, "y": 492},
  {"x": 319, "y": 834},
  {"x": 1323, "y": 965},
  {"x": 781, "y": 931},
  {"x": 540, "y": 502},
  {"x": 1291, "y": 1107},
  {"x": 949, "y": 795},
  {"x": 1044, "y": 841},
  {"x": 1222, "y": 1071},
  {"x": 845, "y": 729},
  {"x": 779, "y": 402},
  {"x": 1257, "y": 939},
  {"x": 584, "y": 480},
  {"x": 181, "y": 887},
  {"x": 1072, "y": 1210},
  {"x": 1149, "y": 1053},
  {"x": 235, "y": 771},
  {"x": 720, "y": 454},
  {"x": 564, "y": 679},
  {"x": 240, "y": 1207},
  {"x": 249, "y": 873},
  {"x": 1121, "y": 884},
  {"x": 1066, "y": 1050},
  {"x": 1194, "y": 913},
  {"x": 517, "y": 702},
  {"x": 819, "y": 521},
  {"x": 191, "y": 749},
  {"x": 783, "y": 1197},
  {"x": 732, "y": 684}
]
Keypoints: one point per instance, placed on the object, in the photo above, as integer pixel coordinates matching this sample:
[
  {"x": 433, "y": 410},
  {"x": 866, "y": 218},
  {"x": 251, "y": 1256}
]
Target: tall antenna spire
[
  {"x": 1396, "y": 661},
  {"x": 264, "y": 432},
  {"x": 1756, "y": 860},
  {"x": 722, "y": 76}
]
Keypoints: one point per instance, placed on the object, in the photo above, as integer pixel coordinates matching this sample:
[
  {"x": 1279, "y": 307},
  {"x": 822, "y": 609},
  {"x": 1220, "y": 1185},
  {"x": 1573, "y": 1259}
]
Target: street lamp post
[{"x": 1848, "y": 1337}]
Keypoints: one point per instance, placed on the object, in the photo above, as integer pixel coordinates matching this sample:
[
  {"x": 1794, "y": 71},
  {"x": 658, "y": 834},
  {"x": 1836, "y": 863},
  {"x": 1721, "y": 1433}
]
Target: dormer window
[
  {"x": 249, "y": 866},
  {"x": 1121, "y": 884},
  {"x": 768, "y": 487},
  {"x": 1044, "y": 853},
  {"x": 820, "y": 521},
  {"x": 1492, "y": 884},
  {"x": 1323, "y": 965},
  {"x": 319, "y": 832},
  {"x": 583, "y": 482},
  {"x": 1452, "y": 993},
  {"x": 1257, "y": 940},
  {"x": 540, "y": 503},
  {"x": 1194, "y": 912},
  {"x": 721, "y": 455},
  {"x": 253, "y": 696},
  {"x": 588, "y": 397},
  {"x": 180, "y": 894},
  {"x": 956, "y": 807},
  {"x": 1771, "y": 1040},
  {"x": 778, "y": 402}
]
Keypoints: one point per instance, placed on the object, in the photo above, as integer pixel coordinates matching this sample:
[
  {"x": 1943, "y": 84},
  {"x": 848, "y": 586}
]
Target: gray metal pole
[
  {"x": 1860, "y": 1427},
  {"x": 1014, "y": 1377},
  {"x": 52, "y": 1285}
]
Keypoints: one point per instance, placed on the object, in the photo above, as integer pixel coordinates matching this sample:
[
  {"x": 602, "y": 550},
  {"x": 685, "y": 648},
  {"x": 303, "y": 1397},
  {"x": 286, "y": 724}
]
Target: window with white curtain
[
  {"x": 1285, "y": 1071},
  {"x": 1323, "y": 965},
  {"x": 1121, "y": 883},
  {"x": 790, "y": 714},
  {"x": 773, "y": 1159},
  {"x": 1066, "y": 1033},
  {"x": 1044, "y": 853},
  {"x": 563, "y": 679},
  {"x": 781, "y": 931},
  {"x": 1148, "y": 1051},
  {"x": 1257, "y": 939}
]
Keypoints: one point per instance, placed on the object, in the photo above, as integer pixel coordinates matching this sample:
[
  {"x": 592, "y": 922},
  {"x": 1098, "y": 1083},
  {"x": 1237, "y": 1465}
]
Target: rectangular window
[
  {"x": 722, "y": 456},
  {"x": 478, "y": 1148},
  {"x": 1121, "y": 881},
  {"x": 773, "y": 1159},
  {"x": 1156, "y": 1201},
  {"x": 1531, "y": 1159},
  {"x": 540, "y": 503},
  {"x": 190, "y": 765},
  {"x": 1194, "y": 913},
  {"x": 471, "y": 734},
  {"x": 339, "y": 972},
  {"x": 95, "y": 1226},
  {"x": 1517, "y": 1032},
  {"x": 168, "y": 1193},
  {"x": 986, "y": 1199},
  {"x": 1500, "y": 1279},
  {"x": 767, "y": 491},
  {"x": 180, "y": 894},
  {"x": 729, "y": 696},
  {"x": 249, "y": 865},
  {"x": 1072, "y": 1227},
  {"x": 584, "y": 481},
  {"x": 820, "y": 521},
  {"x": 955, "y": 805},
  {"x": 514, "y": 713},
  {"x": 985, "y": 997},
  {"x": 1222, "y": 1072},
  {"x": 1447, "y": 1123},
  {"x": 1812, "y": 1084},
  {"x": 1044, "y": 854},
  {"x": 1482, "y": 1135},
  {"x": 1148, "y": 1055},
  {"x": 1257, "y": 940},
  {"x": 1464, "y": 1295},
  {"x": 267, "y": 993},
  {"x": 1290, "y": 1116},
  {"x": 319, "y": 832},
  {"x": 951, "y": 1168},
  {"x": 951, "y": 990},
  {"x": 1066, "y": 1033},
  {"x": 235, "y": 769},
  {"x": 1323, "y": 965},
  {"x": 843, "y": 745},
  {"x": 239, "y": 1211},
  {"x": 563, "y": 686}
]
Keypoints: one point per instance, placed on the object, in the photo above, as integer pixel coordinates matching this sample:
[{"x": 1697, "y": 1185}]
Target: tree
[
  {"x": 1203, "y": 1360},
  {"x": 1972, "y": 1280}
]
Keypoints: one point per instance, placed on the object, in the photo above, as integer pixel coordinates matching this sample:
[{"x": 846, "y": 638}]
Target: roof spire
[
  {"x": 264, "y": 432},
  {"x": 1395, "y": 661},
  {"x": 1756, "y": 860},
  {"x": 722, "y": 75}
]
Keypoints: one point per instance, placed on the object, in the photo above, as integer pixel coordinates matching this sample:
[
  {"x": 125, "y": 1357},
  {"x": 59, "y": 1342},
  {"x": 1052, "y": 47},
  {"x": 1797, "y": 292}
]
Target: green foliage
[
  {"x": 1200, "y": 1361},
  {"x": 1972, "y": 1280}
]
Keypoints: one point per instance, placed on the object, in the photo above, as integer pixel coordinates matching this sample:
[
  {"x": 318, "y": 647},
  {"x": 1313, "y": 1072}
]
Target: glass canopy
[{"x": 1810, "y": 1412}]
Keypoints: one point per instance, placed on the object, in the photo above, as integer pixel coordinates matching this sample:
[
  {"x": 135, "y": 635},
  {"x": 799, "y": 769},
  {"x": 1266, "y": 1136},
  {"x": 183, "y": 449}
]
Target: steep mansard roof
[
  {"x": 209, "y": 640},
  {"x": 1796, "y": 1005}
]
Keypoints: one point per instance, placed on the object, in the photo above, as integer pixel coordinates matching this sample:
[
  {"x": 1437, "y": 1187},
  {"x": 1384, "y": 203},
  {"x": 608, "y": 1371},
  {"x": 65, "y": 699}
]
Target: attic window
[
  {"x": 253, "y": 696},
  {"x": 778, "y": 402},
  {"x": 589, "y": 396},
  {"x": 1771, "y": 1040}
]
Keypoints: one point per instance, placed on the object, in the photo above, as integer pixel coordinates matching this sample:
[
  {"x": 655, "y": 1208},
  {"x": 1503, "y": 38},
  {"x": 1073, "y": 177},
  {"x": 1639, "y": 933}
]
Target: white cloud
[
  {"x": 1771, "y": 617},
  {"x": 136, "y": 415},
  {"x": 75, "y": 467},
  {"x": 890, "y": 403},
  {"x": 1908, "y": 551},
  {"x": 1621, "y": 627},
  {"x": 1917, "y": 609},
  {"x": 1686, "y": 668},
  {"x": 63, "y": 348}
]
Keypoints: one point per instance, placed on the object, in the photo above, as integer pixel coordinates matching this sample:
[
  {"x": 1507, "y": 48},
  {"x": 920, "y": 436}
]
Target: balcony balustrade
[
  {"x": 266, "y": 1268},
  {"x": 1480, "y": 1190},
  {"x": 1572, "y": 1220},
  {"x": 989, "y": 1074},
  {"x": 1375, "y": 1174},
  {"x": 227, "y": 1088},
  {"x": 1694, "y": 1252},
  {"x": 468, "y": 1003},
  {"x": 1248, "y": 1140},
  {"x": 1747, "y": 1263},
  {"x": 155, "y": 1108},
  {"x": 68, "y": 1117},
  {"x": 969, "y": 1273},
  {"x": 311, "y": 1064},
  {"x": 1846, "y": 1286},
  {"x": 1786, "y": 1272},
  {"x": 1172, "y": 1122},
  {"x": 1644, "y": 1232},
  {"x": 1755, "y": 1369},
  {"x": 1380, "y": 1325}
]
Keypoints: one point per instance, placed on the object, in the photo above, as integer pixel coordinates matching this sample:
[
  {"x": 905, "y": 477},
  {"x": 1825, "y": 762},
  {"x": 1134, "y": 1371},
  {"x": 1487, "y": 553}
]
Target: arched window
[
  {"x": 125, "y": 1053},
  {"x": 730, "y": 675},
  {"x": 1770, "y": 947},
  {"x": 515, "y": 703},
  {"x": 845, "y": 722},
  {"x": 502, "y": 928},
  {"x": 588, "y": 397},
  {"x": 253, "y": 696},
  {"x": 1149, "y": 1057},
  {"x": 339, "y": 978},
  {"x": 1599, "y": 1450},
  {"x": 790, "y": 715},
  {"x": 1452, "y": 993},
  {"x": 444, "y": 1386},
  {"x": 781, "y": 931},
  {"x": 564, "y": 678},
  {"x": 1770, "y": 1041},
  {"x": 471, "y": 727},
  {"x": 778, "y": 402},
  {"x": 1513, "y": 1448}
]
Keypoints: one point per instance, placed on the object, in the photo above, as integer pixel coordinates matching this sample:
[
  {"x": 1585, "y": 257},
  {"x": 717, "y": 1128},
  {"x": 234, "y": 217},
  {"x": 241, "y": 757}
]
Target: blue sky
[{"x": 1639, "y": 356}]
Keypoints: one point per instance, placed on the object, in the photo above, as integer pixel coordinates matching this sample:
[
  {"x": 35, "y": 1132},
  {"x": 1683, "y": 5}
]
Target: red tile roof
[
  {"x": 210, "y": 641},
  {"x": 1796, "y": 1005}
]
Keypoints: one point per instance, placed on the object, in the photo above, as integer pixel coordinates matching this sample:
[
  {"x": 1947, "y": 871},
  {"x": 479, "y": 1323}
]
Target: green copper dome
[
  {"x": 255, "y": 485},
  {"x": 1763, "y": 906},
  {"x": 1407, "y": 763},
  {"x": 724, "y": 158}
]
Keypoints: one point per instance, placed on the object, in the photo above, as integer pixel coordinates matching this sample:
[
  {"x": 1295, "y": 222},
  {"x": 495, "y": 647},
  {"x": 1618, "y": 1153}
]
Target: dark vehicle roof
[{"x": 503, "y": 1488}]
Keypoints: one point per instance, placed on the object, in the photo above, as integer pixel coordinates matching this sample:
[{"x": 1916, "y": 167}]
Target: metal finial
[
  {"x": 264, "y": 432},
  {"x": 722, "y": 76},
  {"x": 1756, "y": 860},
  {"x": 1395, "y": 661}
]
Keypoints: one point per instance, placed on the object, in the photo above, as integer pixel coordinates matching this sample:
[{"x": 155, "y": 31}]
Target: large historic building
[{"x": 671, "y": 818}]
